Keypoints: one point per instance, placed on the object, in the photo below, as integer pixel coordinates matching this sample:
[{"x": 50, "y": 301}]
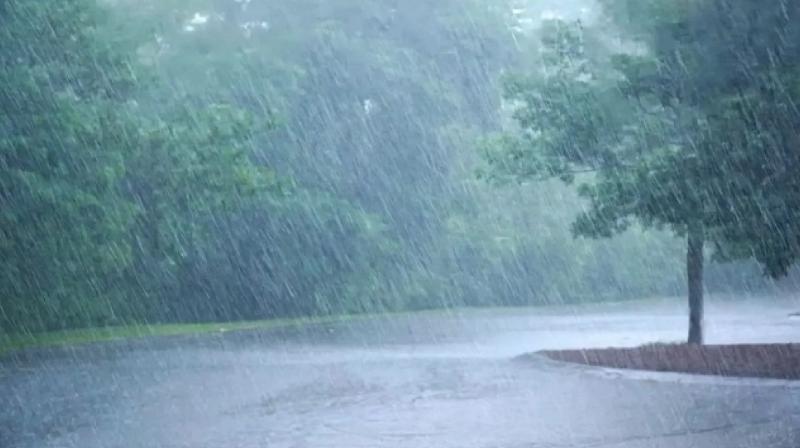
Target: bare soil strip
[{"x": 779, "y": 361}]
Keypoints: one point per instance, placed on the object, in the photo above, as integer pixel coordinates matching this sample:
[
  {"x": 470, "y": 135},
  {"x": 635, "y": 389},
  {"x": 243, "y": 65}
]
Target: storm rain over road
[
  {"x": 399, "y": 223},
  {"x": 429, "y": 380}
]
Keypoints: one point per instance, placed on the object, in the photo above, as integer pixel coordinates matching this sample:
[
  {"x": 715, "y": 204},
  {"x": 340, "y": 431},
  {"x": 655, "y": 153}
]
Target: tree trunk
[{"x": 694, "y": 269}]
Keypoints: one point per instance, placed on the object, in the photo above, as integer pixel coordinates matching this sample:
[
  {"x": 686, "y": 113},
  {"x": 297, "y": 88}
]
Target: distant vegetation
[{"x": 216, "y": 160}]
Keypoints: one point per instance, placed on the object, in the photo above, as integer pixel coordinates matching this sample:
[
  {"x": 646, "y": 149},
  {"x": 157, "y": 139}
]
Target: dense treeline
[{"x": 193, "y": 160}]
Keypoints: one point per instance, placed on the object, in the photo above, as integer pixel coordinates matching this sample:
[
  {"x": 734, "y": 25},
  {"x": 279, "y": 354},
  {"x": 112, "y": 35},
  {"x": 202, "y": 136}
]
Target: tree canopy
[
  {"x": 205, "y": 160},
  {"x": 685, "y": 121}
]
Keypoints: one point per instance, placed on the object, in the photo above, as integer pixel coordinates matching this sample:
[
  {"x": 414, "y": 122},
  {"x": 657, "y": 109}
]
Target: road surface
[{"x": 432, "y": 380}]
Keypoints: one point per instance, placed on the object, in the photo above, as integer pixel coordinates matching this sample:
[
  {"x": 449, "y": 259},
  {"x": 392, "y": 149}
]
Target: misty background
[{"x": 269, "y": 159}]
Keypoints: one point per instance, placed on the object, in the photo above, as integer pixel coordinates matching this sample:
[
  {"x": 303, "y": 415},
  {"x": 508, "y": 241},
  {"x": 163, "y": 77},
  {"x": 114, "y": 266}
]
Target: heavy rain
[{"x": 399, "y": 223}]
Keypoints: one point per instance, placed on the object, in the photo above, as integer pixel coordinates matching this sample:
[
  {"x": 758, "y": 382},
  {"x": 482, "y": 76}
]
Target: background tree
[
  {"x": 98, "y": 189},
  {"x": 62, "y": 223}
]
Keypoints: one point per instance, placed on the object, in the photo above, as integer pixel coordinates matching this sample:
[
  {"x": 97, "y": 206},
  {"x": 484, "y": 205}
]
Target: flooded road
[{"x": 429, "y": 380}]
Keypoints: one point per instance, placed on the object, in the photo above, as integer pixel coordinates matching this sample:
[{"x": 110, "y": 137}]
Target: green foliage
[
  {"x": 691, "y": 123},
  {"x": 62, "y": 220},
  {"x": 208, "y": 160},
  {"x": 90, "y": 182}
]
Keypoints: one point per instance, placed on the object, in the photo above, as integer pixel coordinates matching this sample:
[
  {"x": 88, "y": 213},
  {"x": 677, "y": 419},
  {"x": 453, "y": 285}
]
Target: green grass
[
  {"x": 10, "y": 343},
  {"x": 14, "y": 342}
]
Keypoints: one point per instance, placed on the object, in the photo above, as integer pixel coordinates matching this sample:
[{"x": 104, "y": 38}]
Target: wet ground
[{"x": 434, "y": 380}]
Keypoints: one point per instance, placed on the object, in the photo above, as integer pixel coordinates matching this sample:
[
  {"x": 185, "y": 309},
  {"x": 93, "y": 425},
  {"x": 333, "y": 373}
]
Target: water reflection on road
[{"x": 426, "y": 380}]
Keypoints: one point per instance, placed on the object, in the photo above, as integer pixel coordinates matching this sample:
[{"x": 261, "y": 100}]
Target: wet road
[{"x": 431, "y": 380}]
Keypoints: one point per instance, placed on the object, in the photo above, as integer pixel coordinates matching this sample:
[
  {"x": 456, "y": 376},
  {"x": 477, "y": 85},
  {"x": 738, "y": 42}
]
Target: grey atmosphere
[
  {"x": 432, "y": 380},
  {"x": 380, "y": 223}
]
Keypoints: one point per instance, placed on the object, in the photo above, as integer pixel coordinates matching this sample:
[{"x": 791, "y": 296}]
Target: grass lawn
[
  {"x": 13, "y": 342},
  {"x": 9, "y": 343}
]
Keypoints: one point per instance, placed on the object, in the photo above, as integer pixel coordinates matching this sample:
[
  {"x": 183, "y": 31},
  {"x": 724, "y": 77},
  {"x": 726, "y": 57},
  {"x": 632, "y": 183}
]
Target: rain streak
[{"x": 399, "y": 223}]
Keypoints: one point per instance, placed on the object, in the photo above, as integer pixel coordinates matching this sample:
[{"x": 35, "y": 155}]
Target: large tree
[{"x": 687, "y": 122}]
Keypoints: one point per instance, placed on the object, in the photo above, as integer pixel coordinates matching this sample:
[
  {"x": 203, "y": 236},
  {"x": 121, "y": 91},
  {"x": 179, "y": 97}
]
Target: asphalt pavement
[{"x": 431, "y": 380}]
